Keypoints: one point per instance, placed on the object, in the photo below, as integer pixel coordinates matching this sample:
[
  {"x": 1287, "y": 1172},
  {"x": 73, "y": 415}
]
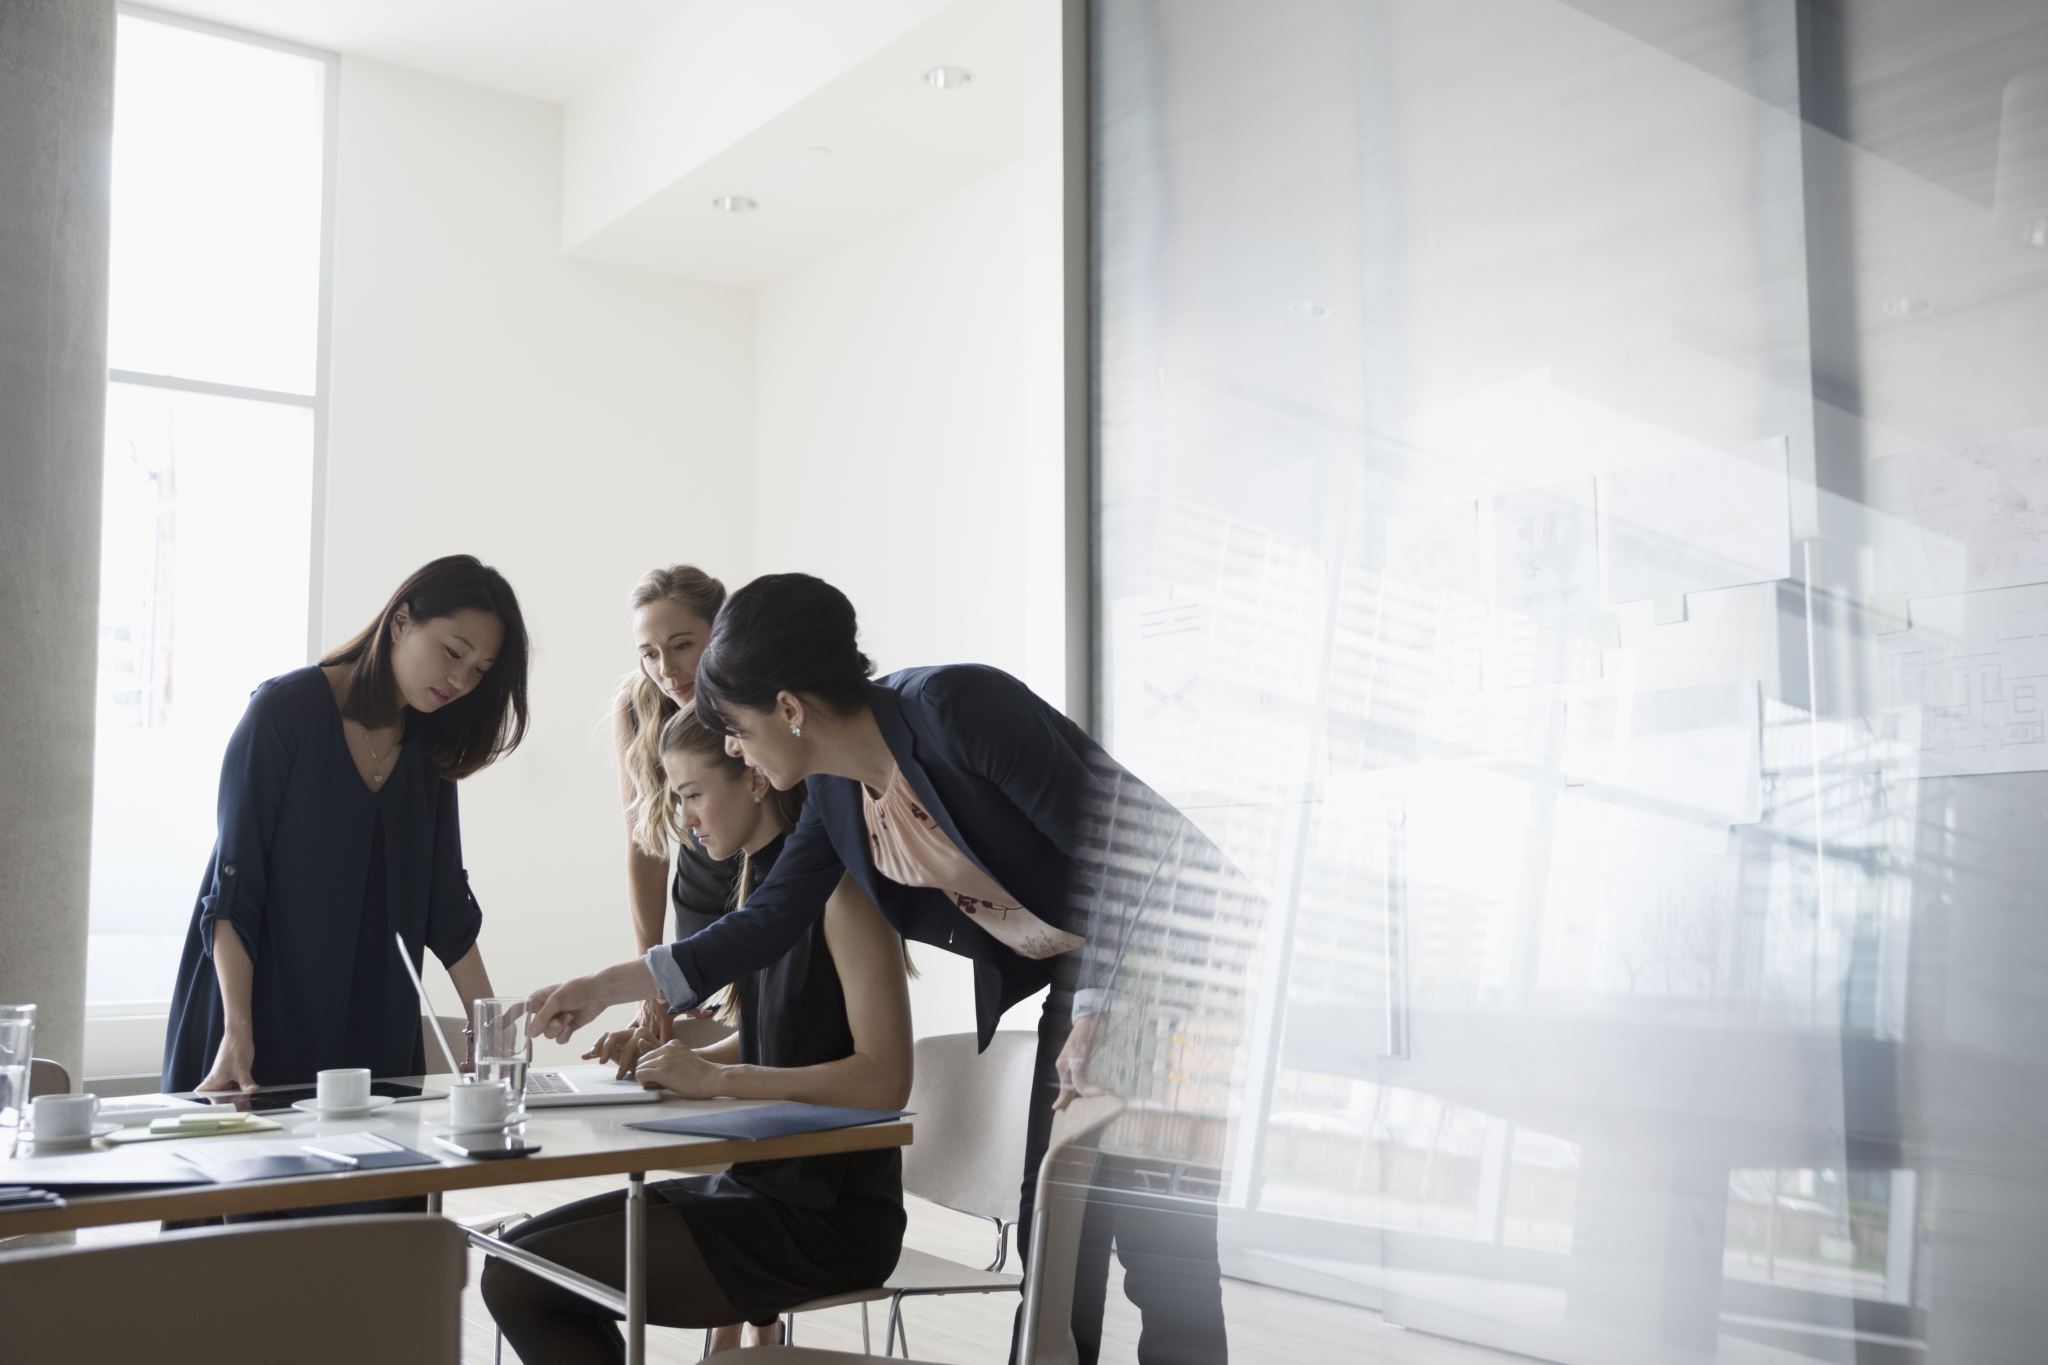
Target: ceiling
[
  {"x": 548, "y": 49},
  {"x": 833, "y": 157},
  {"x": 870, "y": 147}
]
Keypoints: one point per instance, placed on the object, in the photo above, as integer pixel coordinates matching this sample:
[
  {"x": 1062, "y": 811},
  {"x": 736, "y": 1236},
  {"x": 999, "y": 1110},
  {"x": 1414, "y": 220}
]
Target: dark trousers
[
  {"x": 1167, "y": 1247},
  {"x": 548, "y": 1325}
]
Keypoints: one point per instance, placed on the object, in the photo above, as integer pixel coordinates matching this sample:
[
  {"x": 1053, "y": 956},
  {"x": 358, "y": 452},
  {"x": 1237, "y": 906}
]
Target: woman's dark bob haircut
[
  {"x": 783, "y": 632},
  {"x": 477, "y": 729}
]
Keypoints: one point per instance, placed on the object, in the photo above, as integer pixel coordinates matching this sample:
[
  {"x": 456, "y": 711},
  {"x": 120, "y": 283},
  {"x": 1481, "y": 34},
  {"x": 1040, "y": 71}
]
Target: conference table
[{"x": 593, "y": 1140}]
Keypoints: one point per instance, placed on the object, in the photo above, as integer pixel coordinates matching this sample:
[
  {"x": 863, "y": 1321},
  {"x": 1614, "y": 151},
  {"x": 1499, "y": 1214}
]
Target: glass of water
[
  {"x": 17, "y": 1051},
  {"x": 503, "y": 1048}
]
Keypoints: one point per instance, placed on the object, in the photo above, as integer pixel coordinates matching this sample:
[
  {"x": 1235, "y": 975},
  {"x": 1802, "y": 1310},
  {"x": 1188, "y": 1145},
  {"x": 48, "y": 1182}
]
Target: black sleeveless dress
[
  {"x": 701, "y": 889},
  {"x": 780, "y": 1233}
]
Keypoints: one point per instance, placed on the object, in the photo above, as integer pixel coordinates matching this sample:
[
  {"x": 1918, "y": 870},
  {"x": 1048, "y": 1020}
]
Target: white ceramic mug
[
  {"x": 478, "y": 1104},
  {"x": 63, "y": 1116},
  {"x": 344, "y": 1087}
]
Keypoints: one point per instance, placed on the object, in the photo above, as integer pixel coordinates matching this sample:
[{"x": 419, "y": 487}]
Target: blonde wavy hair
[{"x": 645, "y": 707}]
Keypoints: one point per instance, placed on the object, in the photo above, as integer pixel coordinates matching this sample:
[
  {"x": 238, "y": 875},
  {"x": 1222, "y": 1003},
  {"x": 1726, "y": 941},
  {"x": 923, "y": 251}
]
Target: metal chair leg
[
  {"x": 895, "y": 1321},
  {"x": 1002, "y": 1256},
  {"x": 866, "y": 1347}
]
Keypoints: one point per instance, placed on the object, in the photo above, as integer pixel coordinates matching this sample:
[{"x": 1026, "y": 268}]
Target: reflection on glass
[
  {"x": 1572, "y": 498},
  {"x": 1825, "y": 1230}
]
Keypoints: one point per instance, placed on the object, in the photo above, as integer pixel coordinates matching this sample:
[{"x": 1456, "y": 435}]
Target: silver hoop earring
[{"x": 797, "y": 731}]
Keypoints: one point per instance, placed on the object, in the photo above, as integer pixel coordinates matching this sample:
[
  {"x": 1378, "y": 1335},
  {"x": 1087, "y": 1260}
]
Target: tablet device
[{"x": 275, "y": 1097}]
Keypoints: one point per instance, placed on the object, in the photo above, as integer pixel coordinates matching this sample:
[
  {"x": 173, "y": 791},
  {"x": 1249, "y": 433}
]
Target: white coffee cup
[
  {"x": 62, "y": 1117},
  {"x": 344, "y": 1087},
  {"x": 478, "y": 1104}
]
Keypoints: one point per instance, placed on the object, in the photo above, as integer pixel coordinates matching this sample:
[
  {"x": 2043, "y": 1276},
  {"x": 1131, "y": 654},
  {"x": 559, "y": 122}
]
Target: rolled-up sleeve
[
  {"x": 669, "y": 978},
  {"x": 253, "y": 774},
  {"x": 454, "y": 919}
]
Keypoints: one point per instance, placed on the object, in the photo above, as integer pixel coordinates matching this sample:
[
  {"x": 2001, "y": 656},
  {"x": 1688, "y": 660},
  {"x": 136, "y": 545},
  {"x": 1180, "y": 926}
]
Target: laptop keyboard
[{"x": 547, "y": 1083}]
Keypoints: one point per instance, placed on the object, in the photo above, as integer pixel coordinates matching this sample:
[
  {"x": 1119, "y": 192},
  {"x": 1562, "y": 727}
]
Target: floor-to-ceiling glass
[{"x": 1572, "y": 522}]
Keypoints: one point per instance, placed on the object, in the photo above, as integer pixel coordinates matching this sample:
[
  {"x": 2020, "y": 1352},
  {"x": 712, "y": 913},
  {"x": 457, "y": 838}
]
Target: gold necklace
[{"x": 377, "y": 778}]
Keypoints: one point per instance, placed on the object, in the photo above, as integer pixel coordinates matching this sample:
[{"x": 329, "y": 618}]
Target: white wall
[
  {"x": 891, "y": 450},
  {"x": 557, "y": 418}
]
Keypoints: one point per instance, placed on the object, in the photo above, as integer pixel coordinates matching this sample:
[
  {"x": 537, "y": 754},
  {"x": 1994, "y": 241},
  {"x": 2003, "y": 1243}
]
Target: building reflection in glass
[{"x": 1573, "y": 525}]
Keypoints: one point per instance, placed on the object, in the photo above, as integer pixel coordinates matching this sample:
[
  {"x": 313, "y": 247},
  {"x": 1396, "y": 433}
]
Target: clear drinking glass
[
  {"x": 503, "y": 1048},
  {"x": 17, "y": 1050}
]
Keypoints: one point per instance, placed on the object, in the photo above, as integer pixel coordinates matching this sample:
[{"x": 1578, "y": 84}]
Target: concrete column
[{"x": 56, "y": 130}]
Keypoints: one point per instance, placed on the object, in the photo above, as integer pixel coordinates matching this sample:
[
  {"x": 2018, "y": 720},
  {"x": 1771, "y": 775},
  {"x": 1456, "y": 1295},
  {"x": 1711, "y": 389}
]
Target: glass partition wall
[{"x": 1572, "y": 513}]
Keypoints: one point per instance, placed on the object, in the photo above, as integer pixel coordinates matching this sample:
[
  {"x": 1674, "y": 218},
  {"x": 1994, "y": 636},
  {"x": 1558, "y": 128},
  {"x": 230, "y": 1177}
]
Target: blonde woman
[{"x": 672, "y": 613}]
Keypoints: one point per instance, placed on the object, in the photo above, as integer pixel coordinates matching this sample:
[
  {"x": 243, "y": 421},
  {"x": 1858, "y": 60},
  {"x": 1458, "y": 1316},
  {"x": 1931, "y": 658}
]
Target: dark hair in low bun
[{"x": 783, "y": 632}]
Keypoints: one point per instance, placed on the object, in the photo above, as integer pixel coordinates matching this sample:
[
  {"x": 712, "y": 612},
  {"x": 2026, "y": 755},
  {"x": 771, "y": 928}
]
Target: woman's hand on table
[
  {"x": 233, "y": 1062},
  {"x": 623, "y": 1047},
  {"x": 677, "y": 1068}
]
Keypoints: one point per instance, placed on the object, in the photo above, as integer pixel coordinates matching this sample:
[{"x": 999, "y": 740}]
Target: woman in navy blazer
[{"x": 1032, "y": 802}]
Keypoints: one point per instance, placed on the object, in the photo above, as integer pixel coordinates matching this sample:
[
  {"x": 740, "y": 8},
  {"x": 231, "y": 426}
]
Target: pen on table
[{"x": 340, "y": 1158}]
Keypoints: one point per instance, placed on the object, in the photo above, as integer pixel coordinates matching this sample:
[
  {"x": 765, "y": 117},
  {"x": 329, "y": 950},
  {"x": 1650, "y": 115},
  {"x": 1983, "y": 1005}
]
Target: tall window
[{"x": 214, "y": 397}]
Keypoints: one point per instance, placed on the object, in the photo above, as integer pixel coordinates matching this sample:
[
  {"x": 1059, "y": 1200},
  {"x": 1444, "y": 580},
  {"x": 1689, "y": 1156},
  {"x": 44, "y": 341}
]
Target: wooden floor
[{"x": 1267, "y": 1326}]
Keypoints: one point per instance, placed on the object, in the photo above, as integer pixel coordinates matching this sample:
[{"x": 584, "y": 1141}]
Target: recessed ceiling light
[
  {"x": 1308, "y": 310},
  {"x": 734, "y": 203},
  {"x": 1906, "y": 307},
  {"x": 947, "y": 77},
  {"x": 2034, "y": 232}
]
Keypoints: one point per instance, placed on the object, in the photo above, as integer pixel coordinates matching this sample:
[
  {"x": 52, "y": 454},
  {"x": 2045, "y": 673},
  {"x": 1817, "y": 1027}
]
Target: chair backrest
[
  {"x": 1064, "y": 1180},
  {"x": 325, "y": 1290},
  {"x": 696, "y": 1033},
  {"x": 970, "y": 1114},
  {"x": 452, "y": 1026},
  {"x": 46, "y": 1077}
]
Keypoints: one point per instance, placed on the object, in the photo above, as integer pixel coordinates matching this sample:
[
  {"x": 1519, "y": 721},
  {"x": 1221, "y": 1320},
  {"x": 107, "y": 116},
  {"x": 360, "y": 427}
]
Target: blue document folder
[{"x": 770, "y": 1120}]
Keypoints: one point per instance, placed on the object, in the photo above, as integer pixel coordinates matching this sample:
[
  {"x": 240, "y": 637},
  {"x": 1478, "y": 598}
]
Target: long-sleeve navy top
[{"x": 315, "y": 871}]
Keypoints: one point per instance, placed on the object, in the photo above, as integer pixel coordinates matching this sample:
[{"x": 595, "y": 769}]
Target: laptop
[{"x": 547, "y": 1087}]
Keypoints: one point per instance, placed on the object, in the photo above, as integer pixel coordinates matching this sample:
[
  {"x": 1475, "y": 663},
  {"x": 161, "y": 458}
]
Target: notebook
[
  {"x": 134, "y": 1167},
  {"x": 231, "y": 1163},
  {"x": 770, "y": 1121}
]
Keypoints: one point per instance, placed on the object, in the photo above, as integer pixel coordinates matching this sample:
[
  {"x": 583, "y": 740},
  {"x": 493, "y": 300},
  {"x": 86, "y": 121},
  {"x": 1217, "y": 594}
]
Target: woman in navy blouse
[{"x": 338, "y": 829}]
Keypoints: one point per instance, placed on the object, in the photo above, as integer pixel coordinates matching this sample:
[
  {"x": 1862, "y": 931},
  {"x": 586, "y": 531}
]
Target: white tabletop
[{"x": 575, "y": 1141}]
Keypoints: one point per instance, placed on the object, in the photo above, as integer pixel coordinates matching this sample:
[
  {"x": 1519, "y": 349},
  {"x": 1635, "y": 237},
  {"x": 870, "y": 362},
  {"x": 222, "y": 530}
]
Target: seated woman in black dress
[
  {"x": 337, "y": 830},
  {"x": 829, "y": 1023}
]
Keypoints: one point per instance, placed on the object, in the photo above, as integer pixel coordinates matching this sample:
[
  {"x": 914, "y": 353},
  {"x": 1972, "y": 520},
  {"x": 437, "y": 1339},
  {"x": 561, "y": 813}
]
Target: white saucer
[
  {"x": 313, "y": 1107},
  {"x": 54, "y": 1144}
]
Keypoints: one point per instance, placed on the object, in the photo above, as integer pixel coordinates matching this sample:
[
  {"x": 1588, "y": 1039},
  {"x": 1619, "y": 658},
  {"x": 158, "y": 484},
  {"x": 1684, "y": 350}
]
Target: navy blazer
[{"x": 1018, "y": 787}]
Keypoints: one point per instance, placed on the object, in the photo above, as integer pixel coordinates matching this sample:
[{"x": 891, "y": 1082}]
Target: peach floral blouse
[{"x": 909, "y": 847}]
